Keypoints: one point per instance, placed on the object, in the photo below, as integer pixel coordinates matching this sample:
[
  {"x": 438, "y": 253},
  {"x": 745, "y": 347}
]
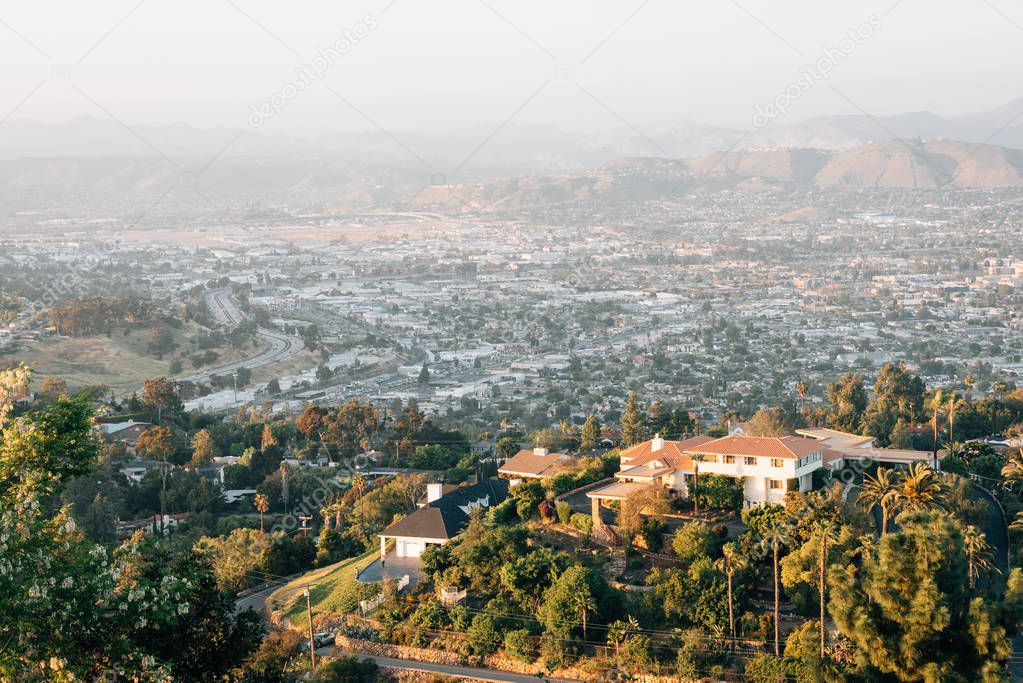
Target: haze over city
[{"x": 388, "y": 341}]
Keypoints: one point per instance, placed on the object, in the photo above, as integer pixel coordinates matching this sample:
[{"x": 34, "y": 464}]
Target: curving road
[{"x": 279, "y": 346}]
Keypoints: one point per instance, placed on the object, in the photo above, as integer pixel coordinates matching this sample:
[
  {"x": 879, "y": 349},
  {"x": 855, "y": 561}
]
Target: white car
[{"x": 324, "y": 638}]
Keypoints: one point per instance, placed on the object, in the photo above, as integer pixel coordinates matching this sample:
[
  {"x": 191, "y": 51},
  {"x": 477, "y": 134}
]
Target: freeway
[{"x": 279, "y": 346}]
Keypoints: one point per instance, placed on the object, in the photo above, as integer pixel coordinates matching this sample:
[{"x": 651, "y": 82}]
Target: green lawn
[{"x": 335, "y": 591}]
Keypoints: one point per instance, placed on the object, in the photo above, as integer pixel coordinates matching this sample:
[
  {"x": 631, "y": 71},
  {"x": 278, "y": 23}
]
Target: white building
[{"x": 768, "y": 466}]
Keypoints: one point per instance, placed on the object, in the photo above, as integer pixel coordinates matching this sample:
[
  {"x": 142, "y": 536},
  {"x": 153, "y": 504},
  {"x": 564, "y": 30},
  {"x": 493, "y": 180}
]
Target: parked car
[{"x": 323, "y": 638}]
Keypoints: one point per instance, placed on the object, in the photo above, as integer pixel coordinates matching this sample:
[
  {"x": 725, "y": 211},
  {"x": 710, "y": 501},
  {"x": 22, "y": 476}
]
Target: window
[
  {"x": 729, "y": 459},
  {"x": 777, "y": 462},
  {"x": 710, "y": 458},
  {"x": 776, "y": 484},
  {"x": 750, "y": 461}
]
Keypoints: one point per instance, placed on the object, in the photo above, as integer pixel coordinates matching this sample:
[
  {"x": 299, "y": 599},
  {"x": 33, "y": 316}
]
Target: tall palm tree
[
  {"x": 978, "y": 552},
  {"x": 969, "y": 381},
  {"x": 262, "y": 504},
  {"x": 879, "y": 491},
  {"x": 920, "y": 489},
  {"x": 777, "y": 594},
  {"x": 936, "y": 404},
  {"x": 826, "y": 530},
  {"x": 730, "y": 561},
  {"x": 954, "y": 404},
  {"x": 696, "y": 458}
]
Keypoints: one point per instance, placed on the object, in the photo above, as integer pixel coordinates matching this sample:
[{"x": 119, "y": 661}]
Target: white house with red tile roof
[{"x": 766, "y": 466}]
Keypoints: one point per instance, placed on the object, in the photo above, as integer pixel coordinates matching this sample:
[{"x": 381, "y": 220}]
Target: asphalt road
[
  {"x": 279, "y": 346},
  {"x": 256, "y": 600},
  {"x": 461, "y": 671}
]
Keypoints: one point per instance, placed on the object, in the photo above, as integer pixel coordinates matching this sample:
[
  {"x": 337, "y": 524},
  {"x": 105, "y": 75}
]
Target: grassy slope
[
  {"x": 336, "y": 590},
  {"x": 119, "y": 361}
]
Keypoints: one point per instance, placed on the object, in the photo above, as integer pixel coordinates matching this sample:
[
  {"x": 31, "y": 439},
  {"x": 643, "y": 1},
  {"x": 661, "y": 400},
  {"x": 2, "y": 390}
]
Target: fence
[{"x": 367, "y": 606}]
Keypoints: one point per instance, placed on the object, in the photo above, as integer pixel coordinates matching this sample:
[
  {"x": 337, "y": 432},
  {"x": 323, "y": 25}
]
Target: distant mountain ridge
[
  {"x": 910, "y": 164},
  {"x": 99, "y": 161}
]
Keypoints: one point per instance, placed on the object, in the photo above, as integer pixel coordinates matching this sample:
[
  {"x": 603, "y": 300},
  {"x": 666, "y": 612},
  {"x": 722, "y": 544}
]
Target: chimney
[
  {"x": 434, "y": 492},
  {"x": 657, "y": 443},
  {"x": 540, "y": 451}
]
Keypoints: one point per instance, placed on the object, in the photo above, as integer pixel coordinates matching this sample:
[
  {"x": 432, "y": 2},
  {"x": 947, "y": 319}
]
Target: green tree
[
  {"x": 847, "y": 401},
  {"x": 590, "y": 436},
  {"x": 906, "y": 607},
  {"x": 160, "y": 395},
  {"x": 570, "y": 600},
  {"x": 767, "y": 422},
  {"x": 236, "y": 558},
  {"x": 202, "y": 448},
  {"x": 898, "y": 395},
  {"x": 484, "y": 638},
  {"x": 633, "y": 422}
]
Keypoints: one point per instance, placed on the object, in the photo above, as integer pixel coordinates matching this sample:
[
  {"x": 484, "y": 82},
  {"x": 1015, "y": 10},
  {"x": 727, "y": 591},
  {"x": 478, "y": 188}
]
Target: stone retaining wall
[{"x": 496, "y": 661}]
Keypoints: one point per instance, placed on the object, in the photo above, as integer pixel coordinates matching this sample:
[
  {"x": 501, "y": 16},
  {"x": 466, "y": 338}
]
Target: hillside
[{"x": 911, "y": 164}]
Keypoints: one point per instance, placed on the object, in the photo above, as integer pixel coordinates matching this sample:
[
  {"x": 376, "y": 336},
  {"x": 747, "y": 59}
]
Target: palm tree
[
  {"x": 777, "y": 593},
  {"x": 969, "y": 381},
  {"x": 801, "y": 390},
  {"x": 825, "y": 531},
  {"x": 618, "y": 631},
  {"x": 1012, "y": 472},
  {"x": 954, "y": 404},
  {"x": 920, "y": 489},
  {"x": 696, "y": 458},
  {"x": 977, "y": 551},
  {"x": 936, "y": 405},
  {"x": 616, "y": 634},
  {"x": 730, "y": 561},
  {"x": 359, "y": 483},
  {"x": 262, "y": 504},
  {"x": 879, "y": 491},
  {"x": 584, "y": 602}
]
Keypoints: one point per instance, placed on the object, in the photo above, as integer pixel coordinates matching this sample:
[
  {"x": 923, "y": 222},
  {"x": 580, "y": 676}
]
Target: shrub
[
  {"x": 651, "y": 534},
  {"x": 554, "y": 650},
  {"x": 348, "y": 670},
  {"x": 460, "y": 617},
  {"x": 582, "y": 522},
  {"x": 503, "y": 512},
  {"x": 720, "y": 492},
  {"x": 693, "y": 541},
  {"x": 563, "y": 483},
  {"x": 518, "y": 645},
  {"x": 564, "y": 512},
  {"x": 483, "y": 636}
]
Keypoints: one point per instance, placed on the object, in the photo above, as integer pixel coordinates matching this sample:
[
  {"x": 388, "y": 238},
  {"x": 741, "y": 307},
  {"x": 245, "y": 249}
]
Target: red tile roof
[{"x": 763, "y": 446}]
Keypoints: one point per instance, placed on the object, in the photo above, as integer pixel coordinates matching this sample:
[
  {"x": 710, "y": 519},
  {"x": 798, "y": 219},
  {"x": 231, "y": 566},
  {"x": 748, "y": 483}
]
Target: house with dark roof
[{"x": 444, "y": 515}]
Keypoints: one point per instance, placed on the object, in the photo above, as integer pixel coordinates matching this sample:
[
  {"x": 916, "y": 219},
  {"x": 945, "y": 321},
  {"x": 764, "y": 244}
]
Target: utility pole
[
  {"x": 309, "y": 614},
  {"x": 305, "y": 529}
]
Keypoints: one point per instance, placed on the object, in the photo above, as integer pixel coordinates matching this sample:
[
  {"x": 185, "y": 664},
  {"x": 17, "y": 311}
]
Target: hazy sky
[{"x": 454, "y": 63}]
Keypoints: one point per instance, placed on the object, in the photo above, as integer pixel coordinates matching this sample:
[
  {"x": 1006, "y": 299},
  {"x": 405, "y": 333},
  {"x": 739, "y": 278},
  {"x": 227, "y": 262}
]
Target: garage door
[{"x": 412, "y": 548}]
